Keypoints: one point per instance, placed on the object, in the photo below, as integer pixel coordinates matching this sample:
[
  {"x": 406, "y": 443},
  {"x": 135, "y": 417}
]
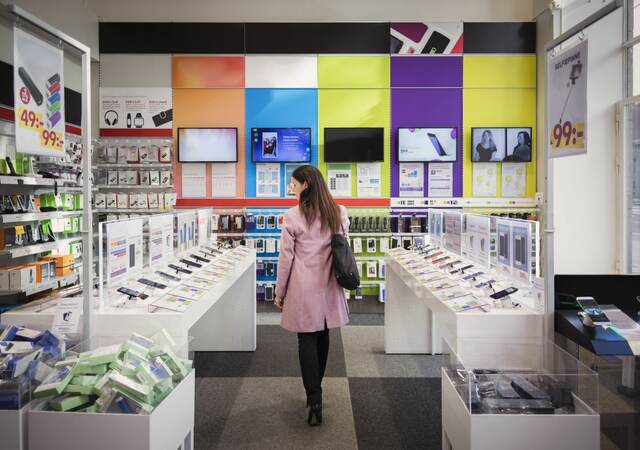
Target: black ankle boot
[{"x": 315, "y": 415}]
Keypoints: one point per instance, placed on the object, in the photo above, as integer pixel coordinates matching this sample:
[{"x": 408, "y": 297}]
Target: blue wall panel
[{"x": 280, "y": 108}]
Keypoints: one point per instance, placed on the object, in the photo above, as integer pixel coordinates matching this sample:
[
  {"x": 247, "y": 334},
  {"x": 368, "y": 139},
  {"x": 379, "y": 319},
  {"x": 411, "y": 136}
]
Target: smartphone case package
[
  {"x": 154, "y": 178},
  {"x": 270, "y": 245},
  {"x": 153, "y": 200},
  {"x": 112, "y": 177},
  {"x": 122, "y": 176},
  {"x": 165, "y": 154},
  {"x": 165, "y": 178},
  {"x": 371, "y": 245},
  {"x": 143, "y": 201},
  {"x": 132, "y": 177},
  {"x": 111, "y": 155},
  {"x": 122, "y": 201},
  {"x": 145, "y": 177},
  {"x": 112, "y": 200},
  {"x": 133, "y": 155},
  {"x": 99, "y": 200},
  {"x": 357, "y": 245},
  {"x": 123, "y": 155}
]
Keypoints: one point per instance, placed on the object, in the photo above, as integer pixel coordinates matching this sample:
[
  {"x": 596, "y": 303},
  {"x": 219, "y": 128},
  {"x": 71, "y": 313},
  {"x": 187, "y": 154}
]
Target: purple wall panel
[
  {"x": 426, "y": 71},
  {"x": 416, "y": 107}
]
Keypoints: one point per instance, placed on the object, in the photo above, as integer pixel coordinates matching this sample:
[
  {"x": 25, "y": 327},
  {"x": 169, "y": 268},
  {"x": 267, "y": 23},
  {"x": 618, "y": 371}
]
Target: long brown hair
[{"x": 316, "y": 200}]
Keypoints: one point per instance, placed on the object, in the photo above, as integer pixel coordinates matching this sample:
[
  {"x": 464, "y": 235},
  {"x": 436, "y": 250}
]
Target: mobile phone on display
[
  {"x": 179, "y": 269},
  {"x": 590, "y": 306},
  {"x": 131, "y": 293},
  {"x": 167, "y": 276},
  {"x": 472, "y": 276},
  {"x": 200, "y": 258},
  {"x": 461, "y": 269},
  {"x": 439, "y": 260},
  {"x": 503, "y": 293},
  {"x": 484, "y": 283},
  {"x": 152, "y": 283},
  {"x": 190, "y": 263}
]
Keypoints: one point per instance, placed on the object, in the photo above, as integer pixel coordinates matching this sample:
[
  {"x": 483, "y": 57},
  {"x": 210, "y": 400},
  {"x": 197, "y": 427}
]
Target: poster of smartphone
[{"x": 521, "y": 251}]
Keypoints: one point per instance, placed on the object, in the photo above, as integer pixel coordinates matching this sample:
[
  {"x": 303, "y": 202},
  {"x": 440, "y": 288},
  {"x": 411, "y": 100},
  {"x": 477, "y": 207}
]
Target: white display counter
[
  {"x": 223, "y": 320},
  {"x": 416, "y": 321},
  {"x": 13, "y": 430},
  {"x": 168, "y": 427}
]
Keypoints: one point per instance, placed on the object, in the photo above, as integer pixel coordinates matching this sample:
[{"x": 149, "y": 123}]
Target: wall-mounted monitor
[
  {"x": 353, "y": 145},
  {"x": 281, "y": 145},
  {"x": 427, "y": 144},
  {"x": 207, "y": 145},
  {"x": 488, "y": 144},
  {"x": 518, "y": 145}
]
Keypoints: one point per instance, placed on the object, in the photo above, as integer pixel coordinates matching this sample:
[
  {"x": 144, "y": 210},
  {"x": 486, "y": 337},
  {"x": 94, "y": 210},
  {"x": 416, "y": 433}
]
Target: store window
[{"x": 633, "y": 109}]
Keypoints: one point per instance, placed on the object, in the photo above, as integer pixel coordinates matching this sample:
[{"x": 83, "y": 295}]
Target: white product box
[
  {"x": 134, "y": 201},
  {"x": 132, "y": 177},
  {"x": 22, "y": 278},
  {"x": 112, "y": 155},
  {"x": 153, "y": 155},
  {"x": 122, "y": 176},
  {"x": 143, "y": 201},
  {"x": 165, "y": 178},
  {"x": 4, "y": 280}
]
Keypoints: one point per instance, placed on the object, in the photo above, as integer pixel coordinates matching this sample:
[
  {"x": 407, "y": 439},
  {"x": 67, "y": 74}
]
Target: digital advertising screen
[
  {"x": 281, "y": 144},
  {"x": 427, "y": 144}
]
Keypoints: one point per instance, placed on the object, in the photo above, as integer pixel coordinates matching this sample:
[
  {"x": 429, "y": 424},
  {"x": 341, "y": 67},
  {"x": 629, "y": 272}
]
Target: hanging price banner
[
  {"x": 39, "y": 95},
  {"x": 567, "y": 102}
]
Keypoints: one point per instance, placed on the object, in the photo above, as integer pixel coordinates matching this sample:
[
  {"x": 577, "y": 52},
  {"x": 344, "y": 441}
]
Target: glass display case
[{"x": 521, "y": 378}]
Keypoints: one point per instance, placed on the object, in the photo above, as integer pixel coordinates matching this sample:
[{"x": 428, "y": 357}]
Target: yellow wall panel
[
  {"x": 498, "y": 108},
  {"x": 356, "y": 108},
  {"x": 354, "y": 72},
  {"x": 499, "y": 71}
]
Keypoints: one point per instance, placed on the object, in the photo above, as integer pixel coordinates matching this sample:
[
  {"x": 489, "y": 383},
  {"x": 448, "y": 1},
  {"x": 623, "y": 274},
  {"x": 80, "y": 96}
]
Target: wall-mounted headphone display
[{"x": 111, "y": 117}]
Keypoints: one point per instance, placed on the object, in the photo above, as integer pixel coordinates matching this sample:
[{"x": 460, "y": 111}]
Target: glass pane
[
  {"x": 635, "y": 190},
  {"x": 636, "y": 17}
]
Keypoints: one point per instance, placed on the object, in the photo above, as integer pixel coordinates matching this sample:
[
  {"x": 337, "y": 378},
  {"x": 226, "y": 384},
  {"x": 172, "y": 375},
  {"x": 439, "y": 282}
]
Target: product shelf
[{"x": 35, "y": 249}]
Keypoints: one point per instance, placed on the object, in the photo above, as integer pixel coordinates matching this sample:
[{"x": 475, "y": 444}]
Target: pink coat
[{"x": 312, "y": 294}]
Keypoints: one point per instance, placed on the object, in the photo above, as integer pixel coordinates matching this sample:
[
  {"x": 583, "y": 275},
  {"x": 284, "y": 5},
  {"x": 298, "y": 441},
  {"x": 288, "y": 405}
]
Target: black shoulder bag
[{"x": 344, "y": 263}]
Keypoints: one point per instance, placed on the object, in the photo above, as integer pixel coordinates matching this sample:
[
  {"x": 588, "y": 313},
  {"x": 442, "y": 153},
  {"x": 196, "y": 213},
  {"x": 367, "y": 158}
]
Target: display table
[
  {"x": 600, "y": 341},
  {"x": 223, "y": 320},
  {"x": 416, "y": 322}
]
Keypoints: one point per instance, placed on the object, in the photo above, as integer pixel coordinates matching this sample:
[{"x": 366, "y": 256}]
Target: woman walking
[{"x": 307, "y": 292}]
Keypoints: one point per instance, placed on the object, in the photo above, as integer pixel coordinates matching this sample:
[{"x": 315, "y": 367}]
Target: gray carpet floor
[{"x": 255, "y": 400}]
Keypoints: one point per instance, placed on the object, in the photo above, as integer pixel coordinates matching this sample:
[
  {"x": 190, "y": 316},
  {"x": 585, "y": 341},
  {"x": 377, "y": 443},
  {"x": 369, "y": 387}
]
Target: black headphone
[{"x": 114, "y": 120}]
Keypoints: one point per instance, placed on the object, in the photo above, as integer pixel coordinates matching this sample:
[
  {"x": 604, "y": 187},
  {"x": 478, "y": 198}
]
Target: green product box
[
  {"x": 85, "y": 380},
  {"x": 68, "y": 402},
  {"x": 77, "y": 201},
  {"x": 77, "y": 389}
]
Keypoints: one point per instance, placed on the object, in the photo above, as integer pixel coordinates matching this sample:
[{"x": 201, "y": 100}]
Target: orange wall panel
[
  {"x": 202, "y": 108},
  {"x": 194, "y": 72}
]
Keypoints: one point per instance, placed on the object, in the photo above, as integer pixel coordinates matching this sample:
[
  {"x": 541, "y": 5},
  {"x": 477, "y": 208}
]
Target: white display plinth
[
  {"x": 462, "y": 430},
  {"x": 13, "y": 429},
  {"x": 416, "y": 322},
  {"x": 224, "y": 320},
  {"x": 168, "y": 427}
]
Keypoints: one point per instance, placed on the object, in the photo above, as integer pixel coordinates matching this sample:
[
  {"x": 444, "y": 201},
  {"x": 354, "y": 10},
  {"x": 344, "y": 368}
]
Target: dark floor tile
[
  {"x": 397, "y": 412},
  {"x": 266, "y": 307},
  {"x": 276, "y": 356},
  {"x": 366, "y": 319},
  {"x": 214, "y": 403},
  {"x": 368, "y": 305}
]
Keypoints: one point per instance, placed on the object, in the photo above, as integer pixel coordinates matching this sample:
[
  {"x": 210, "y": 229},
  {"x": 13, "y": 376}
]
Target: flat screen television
[
  {"x": 353, "y": 145},
  {"x": 207, "y": 145},
  {"x": 488, "y": 144},
  {"x": 427, "y": 144},
  {"x": 518, "y": 145},
  {"x": 281, "y": 145}
]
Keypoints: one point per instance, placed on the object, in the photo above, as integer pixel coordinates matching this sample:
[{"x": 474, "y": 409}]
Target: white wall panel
[
  {"x": 281, "y": 71},
  {"x": 585, "y": 186}
]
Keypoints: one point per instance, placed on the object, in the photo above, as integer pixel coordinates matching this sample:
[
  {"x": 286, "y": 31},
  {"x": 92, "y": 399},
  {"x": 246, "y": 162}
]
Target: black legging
[{"x": 313, "y": 349}]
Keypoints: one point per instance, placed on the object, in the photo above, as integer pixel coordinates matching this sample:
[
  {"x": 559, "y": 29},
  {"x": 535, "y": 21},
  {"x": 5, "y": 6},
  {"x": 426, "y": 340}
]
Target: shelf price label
[{"x": 567, "y": 135}]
